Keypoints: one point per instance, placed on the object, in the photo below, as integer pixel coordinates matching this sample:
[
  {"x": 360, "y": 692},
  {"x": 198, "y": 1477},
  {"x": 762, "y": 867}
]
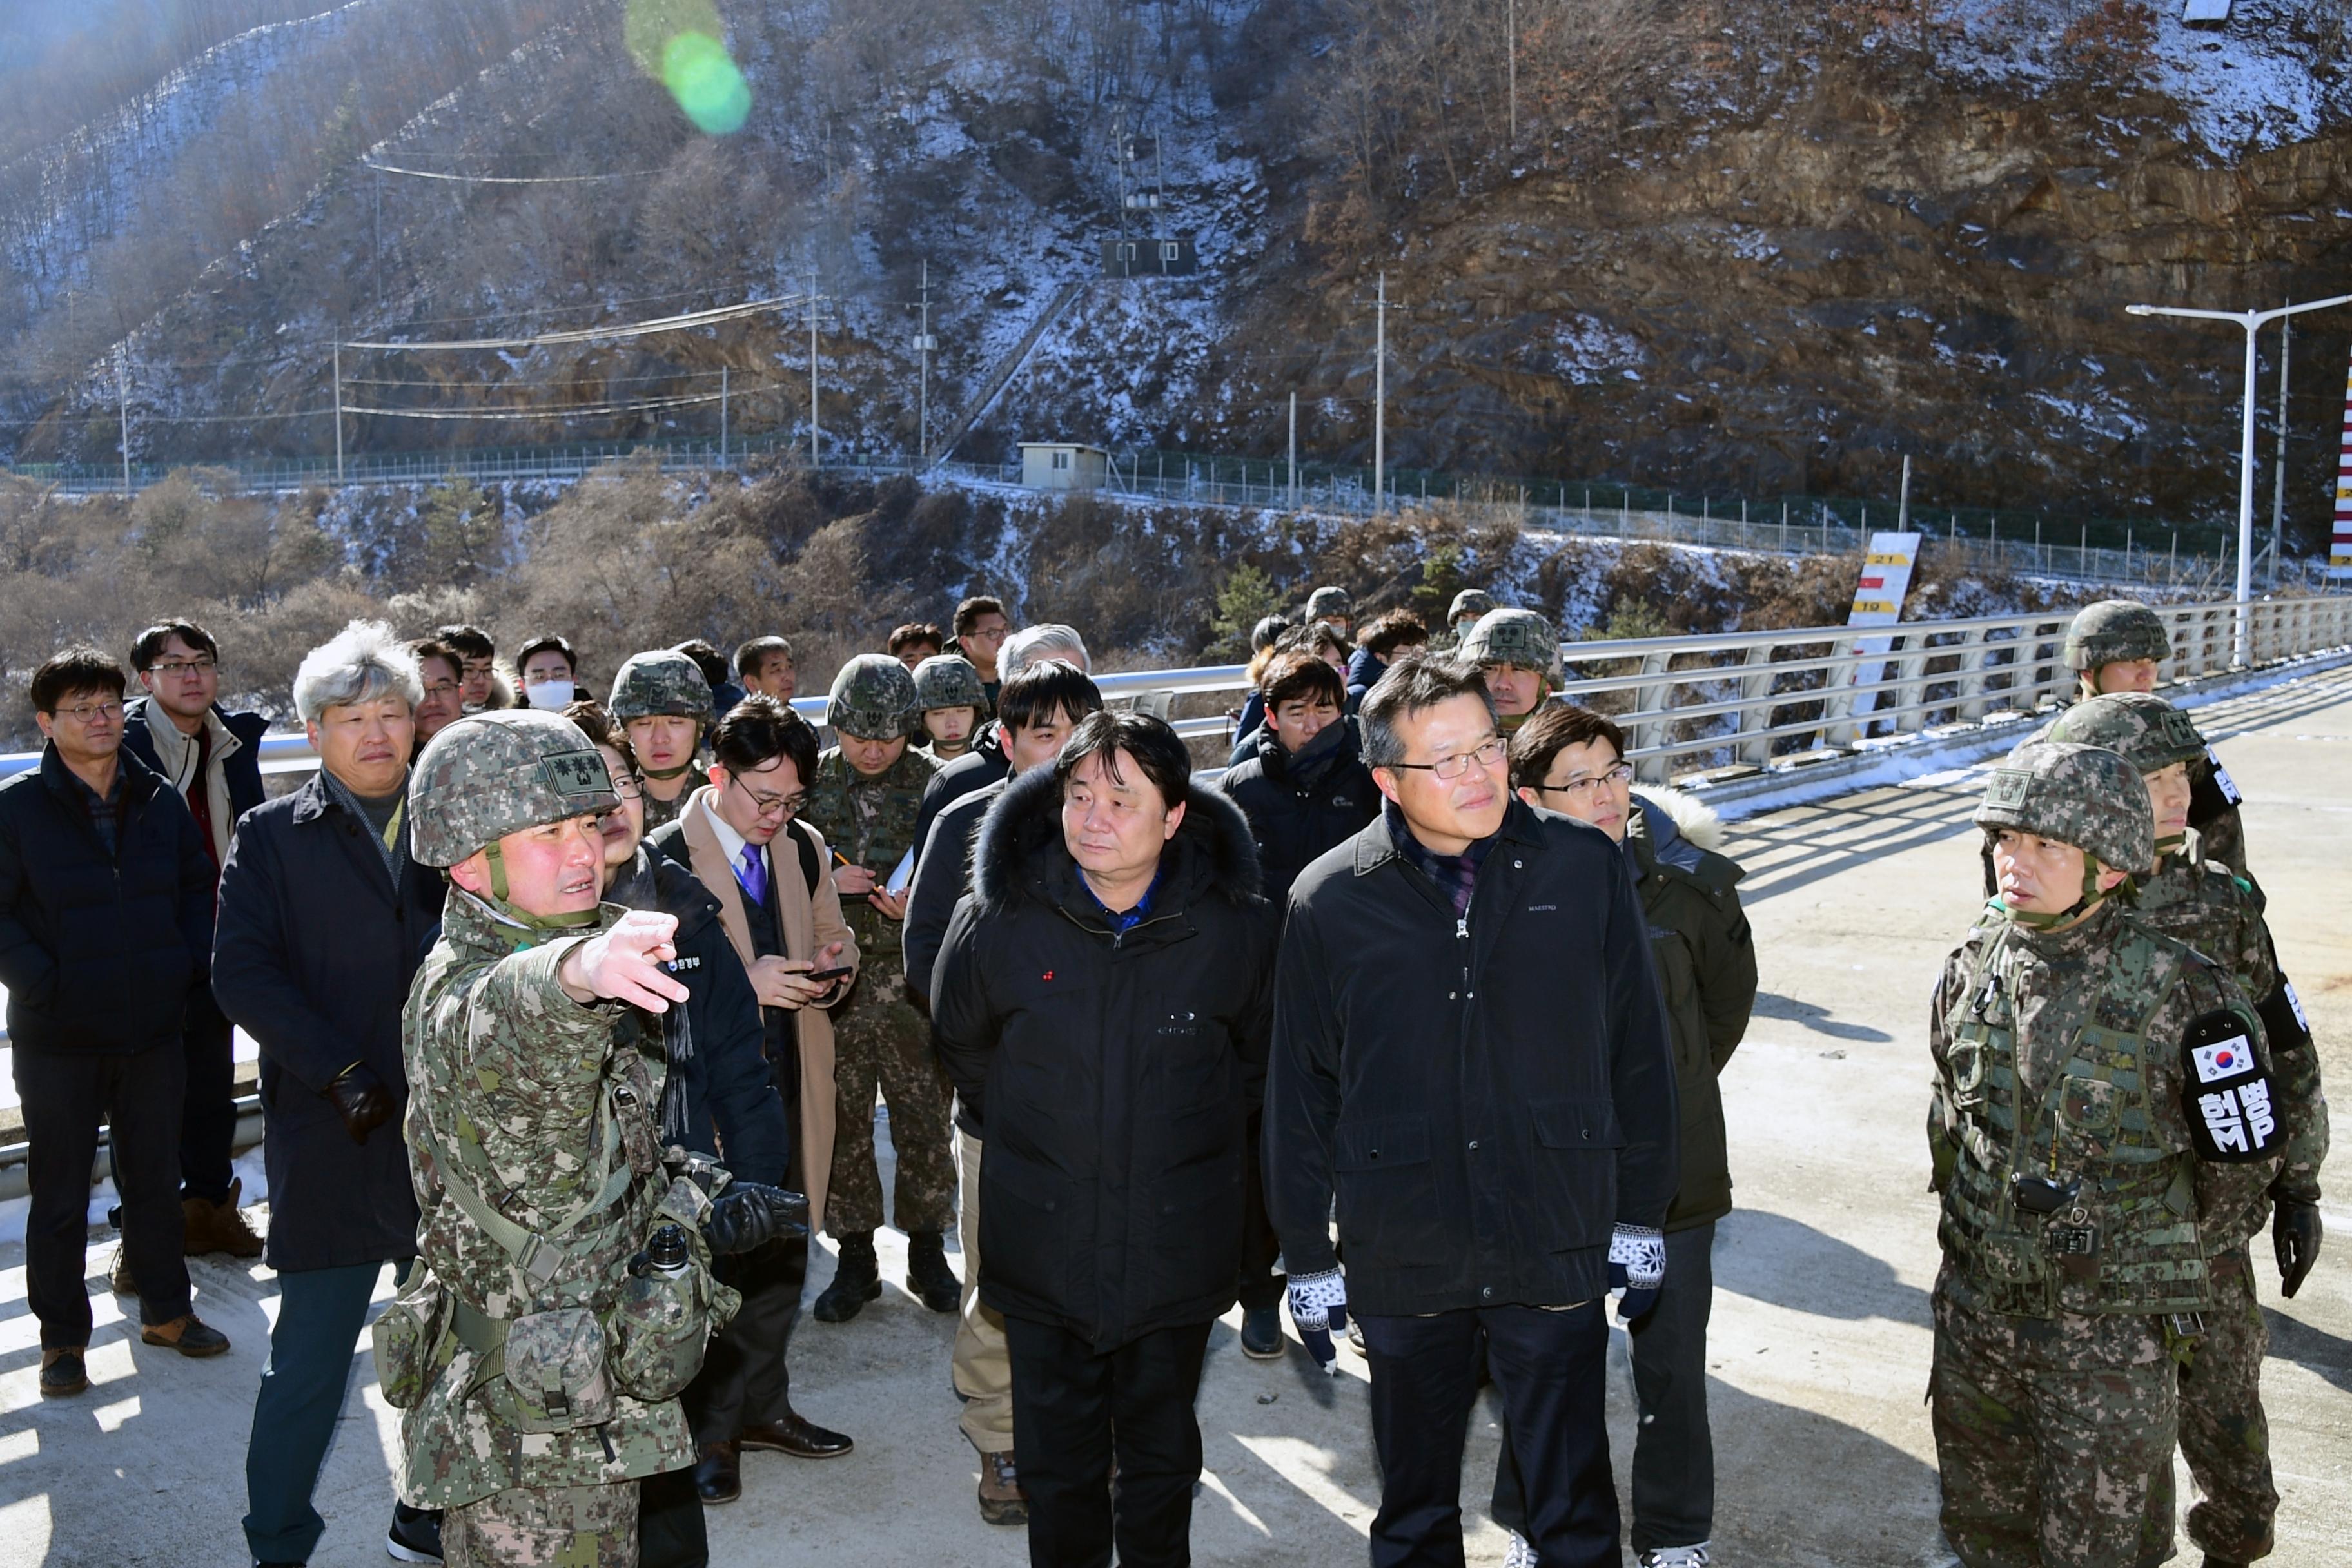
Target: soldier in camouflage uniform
[
  {"x": 2100, "y": 1116},
  {"x": 1469, "y": 608},
  {"x": 943, "y": 686},
  {"x": 1519, "y": 652},
  {"x": 865, "y": 799},
  {"x": 566, "y": 1293},
  {"x": 663, "y": 700},
  {"x": 2119, "y": 644},
  {"x": 2223, "y": 1431}
]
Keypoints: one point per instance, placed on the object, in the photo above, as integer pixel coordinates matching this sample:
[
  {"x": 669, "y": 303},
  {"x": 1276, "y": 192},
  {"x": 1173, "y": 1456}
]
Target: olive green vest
[{"x": 2128, "y": 1242}]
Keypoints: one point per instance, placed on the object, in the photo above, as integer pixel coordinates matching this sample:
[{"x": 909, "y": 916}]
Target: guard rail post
[
  {"x": 1911, "y": 673},
  {"x": 1654, "y": 699},
  {"x": 1837, "y": 728},
  {"x": 1755, "y": 714},
  {"x": 1976, "y": 660}
]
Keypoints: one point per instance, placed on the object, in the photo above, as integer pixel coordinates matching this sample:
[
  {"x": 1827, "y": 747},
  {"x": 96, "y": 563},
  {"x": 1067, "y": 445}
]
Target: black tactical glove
[
  {"x": 748, "y": 1215},
  {"x": 2294, "y": 1234},
  {"x": 361, "y": 1099}
]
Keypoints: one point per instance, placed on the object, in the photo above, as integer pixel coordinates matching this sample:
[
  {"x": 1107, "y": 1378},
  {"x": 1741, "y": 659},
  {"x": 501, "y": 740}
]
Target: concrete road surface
[{"x": 1818, "y": 1357}]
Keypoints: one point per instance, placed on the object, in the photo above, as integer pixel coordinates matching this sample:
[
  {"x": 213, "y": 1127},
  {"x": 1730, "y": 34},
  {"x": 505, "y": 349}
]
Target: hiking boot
[
  {"x": 1262, "y": 1333},
  {"x": 927, "y": 1274},
  {"x": 857, "y": 1279},
  {"x": 190, "y": 1335},
  {"x": 63, "y": 1374},
  {"x": 208, "y": 1227},
  {"x": 117, "y": 1273},
  {"x": 1002, "y": 1500}
]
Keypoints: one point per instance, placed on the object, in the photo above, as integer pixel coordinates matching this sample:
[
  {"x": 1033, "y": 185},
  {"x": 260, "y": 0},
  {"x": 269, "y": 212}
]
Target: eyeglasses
[
  {"x": 628, "y": 787},
  {"x": 183, "y": 667},
  {"x": 771, "y": 804},
  {"x": 1485, "y": 755},
  {"x": 84, "y": 712},
  {"x": 1616, "y": 776},
  {"x": 440, "y": 687}
]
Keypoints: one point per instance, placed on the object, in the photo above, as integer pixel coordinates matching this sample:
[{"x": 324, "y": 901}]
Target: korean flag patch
[{"x": 2232, "y": 1113}]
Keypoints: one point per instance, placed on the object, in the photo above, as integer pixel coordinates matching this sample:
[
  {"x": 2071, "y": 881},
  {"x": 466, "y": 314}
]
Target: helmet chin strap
[
  {"x": 2093, "y": 895},
  {"x": 666, "y": 775},
  {"x": 533, "y": 926}
]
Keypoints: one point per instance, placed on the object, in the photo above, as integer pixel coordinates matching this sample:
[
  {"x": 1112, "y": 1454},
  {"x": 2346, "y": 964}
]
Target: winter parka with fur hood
[
  {"x": 1116, "y": 1072},
  {"x": 1707, "y": 971}
]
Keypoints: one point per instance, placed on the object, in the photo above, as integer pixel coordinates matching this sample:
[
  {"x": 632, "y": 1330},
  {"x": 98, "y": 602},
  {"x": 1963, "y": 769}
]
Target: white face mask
[{"x": 549, "y": 696}]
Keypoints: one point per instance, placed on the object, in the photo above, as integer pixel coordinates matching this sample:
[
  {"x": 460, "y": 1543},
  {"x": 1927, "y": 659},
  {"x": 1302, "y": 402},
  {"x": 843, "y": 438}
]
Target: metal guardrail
[{"x": 1743, "y": 699}]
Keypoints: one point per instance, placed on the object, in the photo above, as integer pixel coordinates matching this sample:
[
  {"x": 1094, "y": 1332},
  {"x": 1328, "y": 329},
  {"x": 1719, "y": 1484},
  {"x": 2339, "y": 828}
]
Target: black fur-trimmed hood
[{"x": 1019, "y": 853}]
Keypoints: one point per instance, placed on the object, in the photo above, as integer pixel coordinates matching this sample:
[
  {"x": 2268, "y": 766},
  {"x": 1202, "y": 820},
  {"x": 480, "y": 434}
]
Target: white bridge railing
[{"x": 1740, "y": 699}]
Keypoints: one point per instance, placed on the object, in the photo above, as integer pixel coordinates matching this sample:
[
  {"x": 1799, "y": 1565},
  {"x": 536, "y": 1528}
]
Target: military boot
[
  {"x": 208, "y": 1227},
  {"x": 927, "y": 1274},
  {"x": 856, "y": 1280}
]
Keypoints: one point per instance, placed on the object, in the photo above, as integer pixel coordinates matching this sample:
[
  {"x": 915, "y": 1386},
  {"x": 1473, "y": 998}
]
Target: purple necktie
[{"x": 754, "y": 875}]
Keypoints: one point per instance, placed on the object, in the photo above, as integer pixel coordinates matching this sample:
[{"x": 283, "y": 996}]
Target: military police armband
[
  {"x": 2283, "y": 1023},
  {"x": 2211, "y": 791},
  {"x": 2232, "y": 1117}
]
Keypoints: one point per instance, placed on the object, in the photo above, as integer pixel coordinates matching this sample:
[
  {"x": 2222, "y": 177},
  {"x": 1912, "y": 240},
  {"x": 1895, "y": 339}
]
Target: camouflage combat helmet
[
  {"x": 874, "y": 699},
  {"x": 2084, "y": 795},
  {"x": 947, "y": 681},
  {"x": 2113, "y": 630},
  {"x": 490, "y": 774},
  {"x": 1512, "y": 637},
  {"x": 661, "y": 682},
  {"x": 1325, "y": 602},
  {"x": 2138, "y": 726},
  {"x": 1470, "y": 601}
]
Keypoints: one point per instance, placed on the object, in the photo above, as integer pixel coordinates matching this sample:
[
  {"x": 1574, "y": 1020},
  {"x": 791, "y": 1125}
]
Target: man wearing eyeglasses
[
  {"x": 106, "y": 923},
  {"x": 742, "y": 837},
  {"x": 1469, "y": 1053},
  {"x": 212, "y": 757},
  {"x": 1571, "y": 759}
]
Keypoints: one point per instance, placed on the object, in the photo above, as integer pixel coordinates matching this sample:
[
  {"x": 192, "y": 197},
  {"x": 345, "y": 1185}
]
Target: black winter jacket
[
  {"x": 939, "y": 880},
  {"x": 312, "y": 958},
  {"x": 100, "y": 952},
  {"x": 1705, "y": 956},
  {"x": 1487, "y": 1096},
  {"x": 720, "y": 1095},
  {"x": 1116, "y": 1072},
  {"x": 977, "y": 768},
  {"x": 1298, "y": 806}
]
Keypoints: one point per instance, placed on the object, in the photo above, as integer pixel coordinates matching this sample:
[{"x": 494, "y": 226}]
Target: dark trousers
[
  {"x": 744, "y": 1381},
  {"x": 1073, "y": 1406},
  {"x": 671, "y": 1531},
  {"x": 1261, "y": 1286},
  {"x": 1673, "y": 1451},
  {"x": 208, "y": 1106},
  {"x": 1549, "y": 1367},
  {"x": 320, "y": 1314},
  {"x": 65, "y": 1095}
]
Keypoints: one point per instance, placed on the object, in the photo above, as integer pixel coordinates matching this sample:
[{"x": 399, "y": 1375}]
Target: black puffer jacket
[
  {"x": 1116, "y": 1072},
  {"x": 99, "y": 951},
  {"x": 1298, "y": 806}
]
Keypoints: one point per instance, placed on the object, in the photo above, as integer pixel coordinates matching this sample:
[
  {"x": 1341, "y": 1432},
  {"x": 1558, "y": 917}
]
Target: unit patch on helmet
[
  {"x": 2008, "y": 786},
  {"x": 2232, "y": 1113},
  {"x": 577, "y": 773}
]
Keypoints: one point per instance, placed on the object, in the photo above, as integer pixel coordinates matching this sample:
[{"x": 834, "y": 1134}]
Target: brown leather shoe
[
  {"x": 208, "y": 1227},
  {"x": 63, "y": 1373},
  {"x": 117, "y": 1273},
  {"x": 797, "y": 1436},
  {"x": 190, "y": 1335},
  {"x": 1002, "y": 1500},
  {"x": 718, "y": 1476}
]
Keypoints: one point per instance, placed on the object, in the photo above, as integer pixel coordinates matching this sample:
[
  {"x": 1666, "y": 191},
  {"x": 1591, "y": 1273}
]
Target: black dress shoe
[
  {"x": 717, "y": 1477},
  {"x": 797, "y": 1436}
]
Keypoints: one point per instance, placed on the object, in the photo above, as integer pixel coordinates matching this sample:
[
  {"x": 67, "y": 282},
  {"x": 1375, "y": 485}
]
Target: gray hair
[
  {"x": 1031, "y": 644},
  {"x": 1414, "y": 684},
  {"x": 364, "y": 661}
]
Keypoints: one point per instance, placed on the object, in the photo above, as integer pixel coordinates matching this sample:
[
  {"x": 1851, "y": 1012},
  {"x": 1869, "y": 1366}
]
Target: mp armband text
[{"x": 2232, "y": 1115}]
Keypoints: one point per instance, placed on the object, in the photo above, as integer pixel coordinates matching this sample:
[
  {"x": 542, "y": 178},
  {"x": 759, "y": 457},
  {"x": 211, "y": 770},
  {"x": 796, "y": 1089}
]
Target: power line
[
  {"x": 566, "y": 412},
  {"x": 510, "y": 179},
  {"x": 685, "y": 322},
  {"x": 513, "y": 385}
]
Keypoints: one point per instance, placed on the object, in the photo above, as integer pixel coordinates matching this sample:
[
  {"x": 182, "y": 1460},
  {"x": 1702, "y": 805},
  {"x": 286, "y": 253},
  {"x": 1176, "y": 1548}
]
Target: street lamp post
[{"x": 2253, "y": 322}]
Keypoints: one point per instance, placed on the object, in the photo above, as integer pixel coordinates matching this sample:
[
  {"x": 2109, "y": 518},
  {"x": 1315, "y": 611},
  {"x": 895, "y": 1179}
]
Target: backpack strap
[{"x": 811, "y": 867}]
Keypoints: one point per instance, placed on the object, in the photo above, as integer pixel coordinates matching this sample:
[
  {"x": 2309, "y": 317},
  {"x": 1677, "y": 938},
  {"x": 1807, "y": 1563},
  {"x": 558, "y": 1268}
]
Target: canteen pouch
[
  {"x": 408, "y": 1340},
  {"x": 554, "y": 1377},
  {"x": 661, "y": 1325}
]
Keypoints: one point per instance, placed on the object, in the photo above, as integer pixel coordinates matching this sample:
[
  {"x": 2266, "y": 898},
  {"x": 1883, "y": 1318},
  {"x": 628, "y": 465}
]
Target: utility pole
[
  {"x": 722, "y": 415},
  {"x": 1511, "y": 55},
  {"x": 2278, "y": 469},
  {"x": 122, "y": 406},
  {"x": 1293, "y": 451},
  {"x": 1903, "y": 507},
  {"x": 379, "y": 241},
  {"x": 924, "y": 344},
  {"x": 1380, "y": 394},
  {"x": 814, "y": 458},
  {"x": 339, "y": 411}
]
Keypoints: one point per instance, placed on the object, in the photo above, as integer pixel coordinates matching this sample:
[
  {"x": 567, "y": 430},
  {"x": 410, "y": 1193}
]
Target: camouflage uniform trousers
[
  {"x": 2224, "y": 1435},
  {"x": 2053, "y": 1436},
  {"x": 880, "y": 1041},
  {"x": 545, "y": 1527}
]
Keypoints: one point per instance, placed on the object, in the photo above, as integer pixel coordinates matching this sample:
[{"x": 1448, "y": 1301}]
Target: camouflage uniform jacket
[
  {"x": 871, "y": 822},
  {"x": 541, "y": 1099},
  {"x": 2060, "y": 1054},
  {"x": 2198, "y": 899},
  {"x": 662, "y": 812}
]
